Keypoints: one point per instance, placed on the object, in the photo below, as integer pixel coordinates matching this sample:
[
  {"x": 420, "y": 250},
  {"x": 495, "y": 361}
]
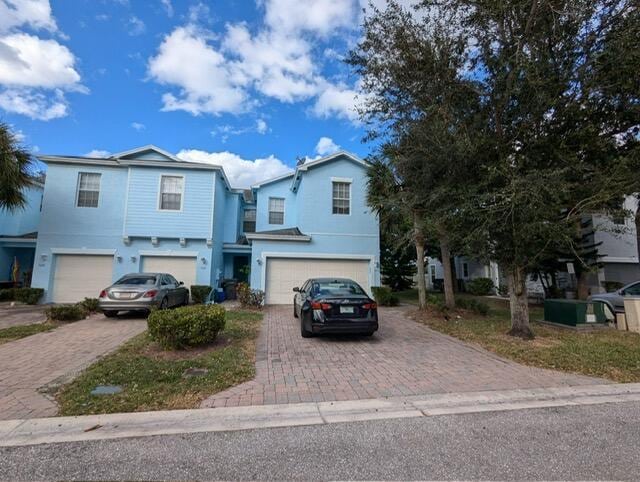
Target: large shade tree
[{"x": 15, "y": 170}]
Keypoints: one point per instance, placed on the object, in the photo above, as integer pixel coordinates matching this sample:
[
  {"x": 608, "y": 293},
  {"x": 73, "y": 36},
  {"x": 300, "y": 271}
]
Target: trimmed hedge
[
  {"x": 66, "y": 312},
  {"x": 480, "y": 286},
  {"x": 186, "y": 326},
  {"x": 199, "y": 293},
  {"x": 30, "y": 296},
  {"x": 612, "y": 285},
  {"x": 384, "y": 296},
  {"x": 90, "y": 304},
  {"x": 249, "y": 297}
]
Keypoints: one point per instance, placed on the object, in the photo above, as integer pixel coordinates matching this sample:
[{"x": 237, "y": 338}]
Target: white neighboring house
[{"x": 619, "y": 250}]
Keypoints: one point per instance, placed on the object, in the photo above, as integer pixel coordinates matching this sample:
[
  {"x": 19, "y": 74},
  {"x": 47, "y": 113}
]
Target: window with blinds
[
  {"x": 276, "y": 210},
  {"x": 249, "y": 221},
  {"x": 88, "y": 189},
  {"x": 171, "y": 188},
  {"x": 341, "y": 198}
]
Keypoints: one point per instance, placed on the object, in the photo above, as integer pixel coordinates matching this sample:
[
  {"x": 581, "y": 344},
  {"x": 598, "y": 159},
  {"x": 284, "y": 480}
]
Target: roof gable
[
  {"x": 337, "y": 156},
  {"x": 146, "y": 153}
]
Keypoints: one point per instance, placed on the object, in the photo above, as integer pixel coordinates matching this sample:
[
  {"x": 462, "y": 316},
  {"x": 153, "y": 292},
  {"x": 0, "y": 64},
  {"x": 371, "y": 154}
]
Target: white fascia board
[
  {"x": 148, "y": 147},
  {"x": 273, "y": 179},
  {"x": 277, "y": 237}
]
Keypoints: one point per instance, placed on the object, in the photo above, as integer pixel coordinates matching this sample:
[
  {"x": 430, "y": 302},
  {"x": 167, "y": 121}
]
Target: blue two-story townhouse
[{"x": 146, "y": 210}]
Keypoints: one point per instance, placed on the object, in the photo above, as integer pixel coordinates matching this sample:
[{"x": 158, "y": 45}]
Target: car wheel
[
  {"x": 110, "y": 314},
  {"x": 369, "y": 333},
  {"x": 303, "y": 331},
  {"x": 164, "y": 304},
  {"x": 295, "y": 313}
]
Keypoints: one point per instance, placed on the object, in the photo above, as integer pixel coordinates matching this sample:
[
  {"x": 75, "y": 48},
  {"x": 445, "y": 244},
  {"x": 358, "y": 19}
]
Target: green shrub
[
  {"x": 437, "y": 302},
  {"x": 30, "y": 296},
  {"x": 186, "y": 326},
  {"x": 66, "y": 312},
  {"x": 249, "y": 297},
  {"x": 612, "y": 285},
  {"x": 480, "y": 286},
  {"x": 90, "y": 304},
  {"x": 503, "y": 290},
  {"x": 470, "y": 304},
  {"x": 7, "y": 294},
  {"x": 199, "y": 293},
  {"x": 384, "y": 296}
]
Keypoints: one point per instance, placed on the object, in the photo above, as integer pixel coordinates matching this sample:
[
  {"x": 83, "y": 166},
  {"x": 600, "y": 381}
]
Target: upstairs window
[
  {"x": 276, "y": 210},
  {"x": 249, "y": 221},
  {"x": 171, "y": 188},
  {"x": 341, "y": 197},
  {"x": 88, "y": 189}
]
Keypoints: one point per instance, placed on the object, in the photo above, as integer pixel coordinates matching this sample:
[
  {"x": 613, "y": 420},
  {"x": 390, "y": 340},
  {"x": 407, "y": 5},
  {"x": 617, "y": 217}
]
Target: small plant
[
  {"x": 384, "y": 296},
  {"x": 477, "y": 306},
  {"x": 199, "y": 293},
  {"x": 90, "y": 304},
  {"x": 610, "y": 286},
  {"x": 437, "y": 302},
  {"x": 248, "y": 297},
  {"x": 480, "y": 286},
  {"x": 30, "y": 296},
  {"x": 186, "y": 326},
  {"x": 66, "y": 312}
]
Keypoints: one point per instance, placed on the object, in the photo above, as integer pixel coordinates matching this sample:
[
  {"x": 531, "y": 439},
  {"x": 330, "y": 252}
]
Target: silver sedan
[{"x": 143, "y": 292}]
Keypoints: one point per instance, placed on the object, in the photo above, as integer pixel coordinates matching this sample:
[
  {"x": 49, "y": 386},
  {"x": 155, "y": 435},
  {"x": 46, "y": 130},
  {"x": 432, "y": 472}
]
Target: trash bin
[
  {"x": 573, "y": 312},
  {"x": 632, "y": 313}
]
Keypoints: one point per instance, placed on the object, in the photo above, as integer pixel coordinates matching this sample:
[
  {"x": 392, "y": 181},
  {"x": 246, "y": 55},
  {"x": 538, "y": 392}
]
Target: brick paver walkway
[
  {"x": 36, "y": 361},
  {"x": 21, "y": 315},
  {"x": 403, "y": 358}
]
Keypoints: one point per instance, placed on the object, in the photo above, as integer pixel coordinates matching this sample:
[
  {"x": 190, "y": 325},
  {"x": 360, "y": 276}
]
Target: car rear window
[
  {"x": 336, "y": 288},
  {"x": 137, "y": 280}
]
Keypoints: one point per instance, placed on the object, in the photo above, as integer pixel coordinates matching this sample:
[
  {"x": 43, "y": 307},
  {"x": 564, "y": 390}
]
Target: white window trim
[
  {"x": 344, "y": 180},
  {"x": 78, "y": 190},
  {"x": 284, "y": 208},
  {"x": 159, "y": 200}
]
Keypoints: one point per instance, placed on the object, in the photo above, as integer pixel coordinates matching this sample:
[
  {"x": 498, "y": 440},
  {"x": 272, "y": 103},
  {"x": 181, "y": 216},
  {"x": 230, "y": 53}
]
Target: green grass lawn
[
  {"x": 152, "y": 379},
  {"x": 607, "y": 353},
  {"x": 17, "y": 332}
]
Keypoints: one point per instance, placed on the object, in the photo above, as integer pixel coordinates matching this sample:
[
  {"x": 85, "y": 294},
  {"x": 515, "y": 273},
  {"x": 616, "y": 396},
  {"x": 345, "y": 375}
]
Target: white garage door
[
  {"x": 283, "y": 274},
  {"x": 181, "y": 268},
  {"x": 80, "y": 276}
]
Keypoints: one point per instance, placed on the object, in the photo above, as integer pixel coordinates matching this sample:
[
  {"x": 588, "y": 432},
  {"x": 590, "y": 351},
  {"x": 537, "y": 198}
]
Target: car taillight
[
  {"x": 370, "y": 306},
  {"x": 103, "y": 294},
  {"x": 150, "y": 293},
  {"x": 320, "y": 306}
]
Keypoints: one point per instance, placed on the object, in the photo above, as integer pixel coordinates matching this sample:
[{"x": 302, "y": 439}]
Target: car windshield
[
  {"x": 137, "y": 280},
  {"x": 336, "y": 288}
]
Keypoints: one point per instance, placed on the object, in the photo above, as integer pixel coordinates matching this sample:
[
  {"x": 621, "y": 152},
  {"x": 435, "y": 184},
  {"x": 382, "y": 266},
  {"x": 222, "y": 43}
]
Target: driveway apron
[{"x": 402, "y": 358}]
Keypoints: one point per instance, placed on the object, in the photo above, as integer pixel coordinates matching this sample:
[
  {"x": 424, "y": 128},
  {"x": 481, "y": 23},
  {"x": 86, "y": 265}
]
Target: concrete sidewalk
[{"x": 124, "y": 425}]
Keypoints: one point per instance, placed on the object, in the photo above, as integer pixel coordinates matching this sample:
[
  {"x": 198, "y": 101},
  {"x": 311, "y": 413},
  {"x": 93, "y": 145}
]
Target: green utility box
[{"x": 574, "y": 312}]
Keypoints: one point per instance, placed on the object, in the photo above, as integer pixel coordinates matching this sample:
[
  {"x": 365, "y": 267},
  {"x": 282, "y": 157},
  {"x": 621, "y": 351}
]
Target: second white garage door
[
  {"x": 283, "y": 274},
  {"x": 181, "y": 268},
  {"x": 79, "y": 276}
]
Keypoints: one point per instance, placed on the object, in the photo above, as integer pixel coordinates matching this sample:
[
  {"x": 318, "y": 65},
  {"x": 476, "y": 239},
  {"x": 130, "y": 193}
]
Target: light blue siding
[
  {"x": 144, "y": 218},
  {"x": 22, "y": 220},
  {"x": 279, "y": 189}
]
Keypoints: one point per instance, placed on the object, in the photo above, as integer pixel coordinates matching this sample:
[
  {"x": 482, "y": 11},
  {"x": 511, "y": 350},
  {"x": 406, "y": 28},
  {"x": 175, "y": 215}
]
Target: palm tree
[{"x": 15, "y": 170}]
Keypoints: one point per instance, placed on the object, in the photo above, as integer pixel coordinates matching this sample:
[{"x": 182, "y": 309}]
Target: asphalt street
[{"x": 569, "y": 443}]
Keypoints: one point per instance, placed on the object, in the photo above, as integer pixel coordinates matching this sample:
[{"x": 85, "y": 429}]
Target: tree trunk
[
  {"x": 582, "y": 285},
  {"x": 449, "y": 297},
  {"x": 418, "y": 237},
  {"x": 519, "y": 303}
]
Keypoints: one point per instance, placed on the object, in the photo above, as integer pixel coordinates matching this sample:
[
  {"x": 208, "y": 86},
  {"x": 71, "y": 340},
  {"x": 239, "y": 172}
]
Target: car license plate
[
  {"x": 126, "y": 295},
  {"x": 346, "y": 310}
]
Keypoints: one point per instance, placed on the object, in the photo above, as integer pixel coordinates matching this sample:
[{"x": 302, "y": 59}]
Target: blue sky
[{"x": 247, "y": 84}]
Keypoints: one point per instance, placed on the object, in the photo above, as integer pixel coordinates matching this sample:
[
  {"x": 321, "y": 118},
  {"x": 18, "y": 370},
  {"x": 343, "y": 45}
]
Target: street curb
[{"x": 124, "y": 425}]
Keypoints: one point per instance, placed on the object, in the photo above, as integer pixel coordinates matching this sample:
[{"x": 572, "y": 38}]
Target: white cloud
[
  {"x": 168, "y": 7},
  {"x": 241, "y": 172},
  {"x": 186, "y": 61},
  {"x": 320, "y": 16},
  {"x": 138, "y": 126},
  {"x": 337, "y": 101},
  {"x": 136, "y": 26},
  {"x": 261, "y": 127},
  {"x": 33, "y": 13},
  {"x": 34, "y": 103},
  {"x": 98, "y": 153},
  {"x": 326, "y": 146},
  {"x": 28, "y": 61}
]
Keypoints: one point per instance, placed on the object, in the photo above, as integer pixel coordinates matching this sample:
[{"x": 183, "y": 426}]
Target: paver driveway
[
  {"x": 36, "y": 361},
  {"x": 403, "y": 358}
]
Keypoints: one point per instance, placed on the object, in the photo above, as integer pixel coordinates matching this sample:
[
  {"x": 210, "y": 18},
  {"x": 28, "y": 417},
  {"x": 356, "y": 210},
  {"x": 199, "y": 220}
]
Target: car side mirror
[
  {"x": 180, "y": 283},
  {"x": 296, "y": 289}
]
